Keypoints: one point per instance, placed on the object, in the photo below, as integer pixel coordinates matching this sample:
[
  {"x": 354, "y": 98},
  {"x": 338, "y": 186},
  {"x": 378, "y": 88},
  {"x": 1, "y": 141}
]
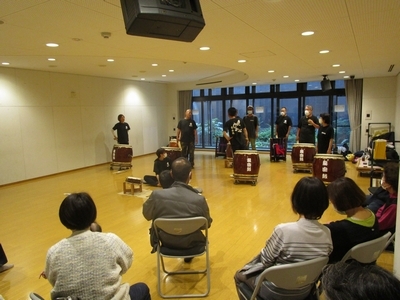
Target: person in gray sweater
[{"x": 87, "y": 264}]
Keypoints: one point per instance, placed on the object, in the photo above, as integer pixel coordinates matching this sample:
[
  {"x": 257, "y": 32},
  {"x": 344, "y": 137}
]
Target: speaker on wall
[
  {"x": 326, "y": 84},
  {"x": 179, "y": 20}
]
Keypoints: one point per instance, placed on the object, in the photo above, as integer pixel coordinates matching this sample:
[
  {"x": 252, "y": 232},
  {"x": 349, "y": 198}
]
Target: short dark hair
[
  {"x": 181, "y": 169},
  {"x": 77, "y": 211},
  {"x": 120, "y": 116},
  {"x": 166, "y": 179},
  {"x": 326, "y": 117},
  {"x": 310, "y": 198},
  {"x": 352, "y": 280},
  {"x": 391, "y": 172},
  {"x": 345, "y": 194},
  {"x": 160, "y": 151},
  {"x": 232, "y": 111}
]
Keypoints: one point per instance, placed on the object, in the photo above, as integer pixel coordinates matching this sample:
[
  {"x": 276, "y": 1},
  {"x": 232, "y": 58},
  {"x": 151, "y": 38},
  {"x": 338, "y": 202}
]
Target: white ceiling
[{"x": 363, "y": 36}]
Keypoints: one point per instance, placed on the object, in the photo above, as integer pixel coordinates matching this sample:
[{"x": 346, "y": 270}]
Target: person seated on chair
[
  {"x": 344, "y": 281},
  {"x": 4, "y": 266},
  {"x": 385, "y": 193},
  {"x": 386, "y": 214},
  {"x": 360, "y": 224},
  {"x": 89, "y": 264},
  {"x": 178, "y": 201},
  {"x": 295, "y": 241},
  {"x": 162, "y": 163}
]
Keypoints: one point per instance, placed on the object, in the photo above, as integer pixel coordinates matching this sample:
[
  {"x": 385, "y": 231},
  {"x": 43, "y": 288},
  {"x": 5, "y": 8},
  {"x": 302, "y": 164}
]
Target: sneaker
[{"x": 188, "y": 259}]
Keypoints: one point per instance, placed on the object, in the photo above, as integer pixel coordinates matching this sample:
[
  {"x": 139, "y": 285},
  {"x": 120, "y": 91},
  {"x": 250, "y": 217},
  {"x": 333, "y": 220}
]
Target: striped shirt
[{"x": 295, "y": 242}]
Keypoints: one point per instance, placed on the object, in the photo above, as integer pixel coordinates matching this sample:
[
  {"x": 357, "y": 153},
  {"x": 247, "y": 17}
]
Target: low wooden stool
[
  {"x": 229, "y": 162},
  {"x": 130, "y": 183}
]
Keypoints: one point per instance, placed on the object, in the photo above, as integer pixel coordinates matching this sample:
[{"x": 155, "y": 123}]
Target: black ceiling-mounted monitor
[
  {"x": 179, "y": 20},
  {"x": 326, "y": 85}
]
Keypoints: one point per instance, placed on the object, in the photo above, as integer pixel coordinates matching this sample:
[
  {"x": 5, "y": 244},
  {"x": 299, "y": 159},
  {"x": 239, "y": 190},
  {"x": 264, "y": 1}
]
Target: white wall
[
  {"x": 379, "y": 97},
  {"x": 53, "y": 122}
]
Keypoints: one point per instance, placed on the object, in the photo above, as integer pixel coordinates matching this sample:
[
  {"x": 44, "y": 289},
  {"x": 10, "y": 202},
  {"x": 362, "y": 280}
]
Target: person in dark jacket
[
  {"x": 360, "y": 224},
  {"x": 180, "y": 200}
]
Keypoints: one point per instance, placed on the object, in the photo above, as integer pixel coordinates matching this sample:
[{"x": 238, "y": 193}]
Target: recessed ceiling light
[
  {"x": 204, "y": 48},
  {"x": 297, "y": 80},
  {"x": 285, "y": 76},
  {"x": 171, "y": 71},
  {"x": 5, "y": 63},
  {"x": 241, "y": 61},
  {"x": 342, "y": 72},
  {"x": 346, "y": 76},
  {"x": 154, "y": 65},
  {"x": 164, "y": 75},
  {"x": 110, "y": 60},
  {"x": 52, "y": 45},
  {"x": 254, "y": 83},
  {"x": 307, "y": 33},
  {"x": 336, "y": 65},
  {"x": 142, "y": 78},
  {"x": 51, "y": 59},
  {"x": 271, "y": 71},
  {"x": 324, "y": 51}
]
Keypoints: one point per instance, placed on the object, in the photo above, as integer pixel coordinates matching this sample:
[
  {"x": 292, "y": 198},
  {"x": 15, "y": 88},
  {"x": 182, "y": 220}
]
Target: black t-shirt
[
  {"x": 325, "y": 134},
  {"x": 187, "y": 128},
  {"x": 234, "y": 127},
  {"x": 283, "y": 123},
  {"x": 307, "y": 131},
  {"x": 251, "y": 123},
  {"x": 161, "y": 165},
  {"x": 122, "y": 132}
]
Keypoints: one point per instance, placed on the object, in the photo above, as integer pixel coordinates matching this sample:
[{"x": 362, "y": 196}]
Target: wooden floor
[{"x": 244, "y": 217}]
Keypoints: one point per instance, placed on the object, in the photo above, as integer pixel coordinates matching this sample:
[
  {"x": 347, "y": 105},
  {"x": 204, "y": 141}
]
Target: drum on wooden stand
[
  {"x": 173, "y": 152},
  {"x": 121, "y": 156},
  {"x": 173, "y": 143},
  {"x": 329, "y": 167},
  {"x": 303, "y": 156},
  {"x": 246, "y": 165}
]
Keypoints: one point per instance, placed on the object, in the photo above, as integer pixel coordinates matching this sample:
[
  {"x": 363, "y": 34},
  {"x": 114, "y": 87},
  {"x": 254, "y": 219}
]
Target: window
[
  {"x": 210, "y": 113},
  {"x": 263, "y": 88},
  {"x": 287, "y": 87},
  {"x": 313, "y": 86}
]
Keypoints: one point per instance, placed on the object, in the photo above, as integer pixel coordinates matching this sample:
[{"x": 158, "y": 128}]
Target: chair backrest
[
  {"x": 368, "y": 252},
  {"x": 181, "y": 226},
  {"x": 295, "y": 275}
]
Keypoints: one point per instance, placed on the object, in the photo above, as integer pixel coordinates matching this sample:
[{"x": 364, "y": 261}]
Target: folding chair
[
  {"x": 368, "y": 252},
  {"x": 182, "y": 226},
  {"x": 295, "y": 281}
]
